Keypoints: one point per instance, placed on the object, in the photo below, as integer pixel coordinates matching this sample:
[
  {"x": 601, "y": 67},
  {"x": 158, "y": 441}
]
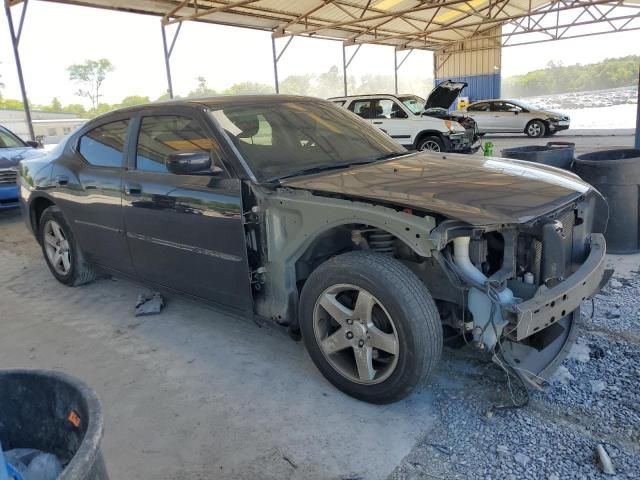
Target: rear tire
[
  {"x": 536, "y": 129},
  {"x": 61, "y": 251},
  {"x": 431, "y": 143},
  {"x": 379, "y": 356}
]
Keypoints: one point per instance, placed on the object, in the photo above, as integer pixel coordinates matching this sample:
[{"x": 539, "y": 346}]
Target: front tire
[
  {"x": 536, "y": 129},
  {"x": 370, "y": 326},
  {"x": 61, "y": 251},
  {"x": 431, "y": 143}
]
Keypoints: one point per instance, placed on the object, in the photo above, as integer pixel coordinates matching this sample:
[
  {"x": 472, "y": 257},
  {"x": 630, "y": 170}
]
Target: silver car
[{"x": 514, "y": 116}]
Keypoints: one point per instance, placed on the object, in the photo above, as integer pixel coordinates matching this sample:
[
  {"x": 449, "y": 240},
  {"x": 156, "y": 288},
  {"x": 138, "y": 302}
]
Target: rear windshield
[{"x": 281, "y": 138}]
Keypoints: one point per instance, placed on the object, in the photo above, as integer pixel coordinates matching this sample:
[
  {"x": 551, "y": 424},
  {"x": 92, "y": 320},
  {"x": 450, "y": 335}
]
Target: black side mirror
[
  {"x": 185, "y": 163},
  {"x": 33, "y": 144}
]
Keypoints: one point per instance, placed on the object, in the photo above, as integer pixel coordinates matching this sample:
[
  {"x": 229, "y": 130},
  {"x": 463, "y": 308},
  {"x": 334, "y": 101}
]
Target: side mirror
[
  {"x": 33, "y": 144},
  {"x": 184, "y": 163}
]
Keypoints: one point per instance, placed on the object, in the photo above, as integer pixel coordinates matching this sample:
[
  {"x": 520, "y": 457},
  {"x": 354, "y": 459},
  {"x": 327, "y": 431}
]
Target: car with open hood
[
  {"x": 293, "y": 210},
  {"x": 514, "y": 116},
  {"x": 12, "y": 150},
  {"x": 418, "y": 124}
]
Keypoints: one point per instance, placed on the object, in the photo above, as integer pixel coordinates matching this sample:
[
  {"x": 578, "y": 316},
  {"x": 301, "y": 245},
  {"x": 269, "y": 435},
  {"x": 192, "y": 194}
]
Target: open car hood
[
  {"x": 444, "y": 94},
  {"x": 476, "y": 190}
]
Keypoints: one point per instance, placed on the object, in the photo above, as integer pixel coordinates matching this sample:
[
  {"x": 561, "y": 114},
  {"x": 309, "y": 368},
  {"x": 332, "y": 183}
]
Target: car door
[
  {"x": 482, "y": 116},
  {"x": 391, "y": 117},
  {"x": 505, "y": 119},
  {"x": 185, "y": 232},
  {"x": 88, "y": 185}
]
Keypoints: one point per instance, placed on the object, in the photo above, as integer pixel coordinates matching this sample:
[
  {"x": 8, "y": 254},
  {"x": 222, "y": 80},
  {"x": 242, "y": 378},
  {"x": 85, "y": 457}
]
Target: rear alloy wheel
[
  {"x": 61, "y": 251},
  {"x": 536, "y": 128},
  {"x": 431, "y": 144},
  {"x": 370, "y": 326}
]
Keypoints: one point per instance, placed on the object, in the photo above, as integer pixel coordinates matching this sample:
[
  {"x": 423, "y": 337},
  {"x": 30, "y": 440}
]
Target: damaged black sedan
[{"x": 295, "y": 210}]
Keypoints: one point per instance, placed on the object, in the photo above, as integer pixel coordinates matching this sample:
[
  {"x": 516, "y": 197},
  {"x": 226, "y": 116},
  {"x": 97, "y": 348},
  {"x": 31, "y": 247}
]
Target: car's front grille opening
[{"x": 8, "y": 177}]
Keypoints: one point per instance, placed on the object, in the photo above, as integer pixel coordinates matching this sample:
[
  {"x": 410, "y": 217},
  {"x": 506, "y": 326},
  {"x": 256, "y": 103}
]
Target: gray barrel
[
  {"x": 616, "y": 174},
  {"x": 55, "y": 413},
  {"x": 556, "y": 154}
]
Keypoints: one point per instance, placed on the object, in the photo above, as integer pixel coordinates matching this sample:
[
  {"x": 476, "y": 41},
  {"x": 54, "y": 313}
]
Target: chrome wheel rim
[
  {"x": 56, "y": 246},
  {"x": 431, "y": 146},
  {"x": 534, "y": 130},
  {"x": 356, "y": 334}
]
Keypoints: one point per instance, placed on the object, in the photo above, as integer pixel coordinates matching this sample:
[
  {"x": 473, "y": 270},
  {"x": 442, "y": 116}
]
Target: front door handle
[
  {"x": 62, "y": 180},
  {"x": 132, "y": 188},
  {"x": 377, "y": 123}
]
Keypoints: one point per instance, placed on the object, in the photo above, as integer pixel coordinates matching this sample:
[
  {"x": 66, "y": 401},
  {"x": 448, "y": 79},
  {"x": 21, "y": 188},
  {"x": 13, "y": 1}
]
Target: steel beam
[
  {"x": 396, "y": 66},
  {"x": 346, "y": 63},
  {"x": 15, "y": 40},
  {"x": 167, "y": 58},
  {"x": 276, "y": 58},
  {"x": 637, "y": 142}
]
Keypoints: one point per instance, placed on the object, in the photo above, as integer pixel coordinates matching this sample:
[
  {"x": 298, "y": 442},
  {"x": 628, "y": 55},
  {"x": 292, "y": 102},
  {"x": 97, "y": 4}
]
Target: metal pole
[
  {"x": 344, "y": 69},
  {"x": 395, "y": 70},
  {"x": 637, "y": 142},
  {"x": 275, "y": 64},
  {"x": 16, "y": 55},
  {"x": 167, "y": 62}
]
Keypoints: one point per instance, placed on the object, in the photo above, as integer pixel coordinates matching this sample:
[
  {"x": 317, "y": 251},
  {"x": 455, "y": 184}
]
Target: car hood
[
  {"x": 444, "y": 94},
  {"x": 476, "y": 190},
  {"x": 10, "y": 157}
]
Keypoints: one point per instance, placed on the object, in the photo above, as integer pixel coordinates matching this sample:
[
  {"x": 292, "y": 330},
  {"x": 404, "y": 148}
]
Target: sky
[{"x": 56, "y": 36}]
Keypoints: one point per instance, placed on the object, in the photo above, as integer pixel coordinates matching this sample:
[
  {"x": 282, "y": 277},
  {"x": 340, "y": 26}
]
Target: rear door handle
[
  {"x": 132, "y": 188},
  {"x": 377, "y": 123},
  {"x": 62, "y": 180}
]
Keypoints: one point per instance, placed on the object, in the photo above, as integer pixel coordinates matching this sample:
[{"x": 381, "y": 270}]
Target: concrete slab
[{"x": 192, "y": 392}]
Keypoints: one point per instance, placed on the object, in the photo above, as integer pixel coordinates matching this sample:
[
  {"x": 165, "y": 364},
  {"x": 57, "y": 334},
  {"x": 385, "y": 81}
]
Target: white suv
[
  {"x": 514, "y": 116},
  {"x": 416, "y": 123}
]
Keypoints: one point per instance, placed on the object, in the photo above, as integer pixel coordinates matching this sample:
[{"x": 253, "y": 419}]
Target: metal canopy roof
[{"x": 401, "y": 23}]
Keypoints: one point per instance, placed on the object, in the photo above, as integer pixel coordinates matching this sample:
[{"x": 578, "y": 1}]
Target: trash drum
[
  {"x": 55, "y": 413},
  {"x": 556, "y": 154},
  {"x": 616, "y": 175}
]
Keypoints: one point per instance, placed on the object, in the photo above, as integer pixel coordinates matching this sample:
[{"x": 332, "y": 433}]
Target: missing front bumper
[{"x": 546, "y": 309}]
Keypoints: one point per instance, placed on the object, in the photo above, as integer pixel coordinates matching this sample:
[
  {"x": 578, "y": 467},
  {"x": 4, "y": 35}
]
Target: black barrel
[
  {"x": 556, "y": 154},
  {"x": 616, "y": 174},
  {"x": 55, "y": 413}
]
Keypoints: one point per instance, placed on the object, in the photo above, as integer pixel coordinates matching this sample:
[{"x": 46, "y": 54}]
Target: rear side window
[
  {"x": 104, "y": 146},
  {"x": 161, "y": 135},
  {"x": 361, "y": 108},
  {"x": 478, "y": 107},
  {"x": 339, "y": 102}
]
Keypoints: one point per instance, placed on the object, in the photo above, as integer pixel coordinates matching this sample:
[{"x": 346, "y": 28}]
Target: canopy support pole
[
  {"x": 346, "y": 63},
  {"x": 15, "y": 42},
  {"x": 396, "y": 66},
  {"x": 168, "y": 50},
  {"x": 637, "y": 142},
  {"x": 276, "y": 58}
]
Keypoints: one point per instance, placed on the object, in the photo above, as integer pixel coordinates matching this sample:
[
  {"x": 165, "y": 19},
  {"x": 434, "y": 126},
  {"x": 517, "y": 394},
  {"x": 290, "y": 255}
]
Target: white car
[
  {"x": 416, "y": 123},
  {"x": 514, "y": 116}
]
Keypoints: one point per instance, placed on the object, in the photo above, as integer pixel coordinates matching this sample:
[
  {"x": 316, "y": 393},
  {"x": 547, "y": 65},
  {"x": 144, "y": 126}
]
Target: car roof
[
  {"x": 369, "y": 95},
  {"x": 215, "y": 101}
]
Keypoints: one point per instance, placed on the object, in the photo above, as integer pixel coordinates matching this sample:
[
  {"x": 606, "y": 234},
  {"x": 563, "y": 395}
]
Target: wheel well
[
  {"x": 426, "y": 133},
  {"x": 546, "y": 123},
  {"x": 38, "y": 206},
  {"x": 345, "y": 238}
]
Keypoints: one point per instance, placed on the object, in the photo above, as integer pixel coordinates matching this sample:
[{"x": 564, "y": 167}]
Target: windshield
[
  {"x": 413, "y": 103},
  {"x": 9, "y": 140},
  {"x": 280, "y": 139}
]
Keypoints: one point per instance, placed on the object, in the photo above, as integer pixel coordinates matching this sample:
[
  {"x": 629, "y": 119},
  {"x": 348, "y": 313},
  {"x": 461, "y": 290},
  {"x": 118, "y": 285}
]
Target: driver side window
[{"x": 164, "y": 134}]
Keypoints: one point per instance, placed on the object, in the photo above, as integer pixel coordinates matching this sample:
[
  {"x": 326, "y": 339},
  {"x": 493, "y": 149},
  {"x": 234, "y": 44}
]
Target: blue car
[{"x": 12, "y": 150}]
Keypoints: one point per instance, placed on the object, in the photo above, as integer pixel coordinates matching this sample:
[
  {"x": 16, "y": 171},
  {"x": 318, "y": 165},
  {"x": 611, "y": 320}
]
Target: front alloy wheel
[
  {"x": 431, "y": 144},
  {"x": 536, "y": 129},
  {"x": 370, "y": 326},
  {"x": 356, "y": 334}
]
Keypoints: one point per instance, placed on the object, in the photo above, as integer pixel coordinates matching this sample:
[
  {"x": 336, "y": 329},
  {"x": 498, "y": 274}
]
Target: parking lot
[{"x": 194, "y": 390}]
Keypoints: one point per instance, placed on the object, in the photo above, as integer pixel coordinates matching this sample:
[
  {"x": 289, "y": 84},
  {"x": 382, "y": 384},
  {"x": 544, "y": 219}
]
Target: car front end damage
[
  {"x": 522, "y": 285},
  {"x": 466, "y": 141}
]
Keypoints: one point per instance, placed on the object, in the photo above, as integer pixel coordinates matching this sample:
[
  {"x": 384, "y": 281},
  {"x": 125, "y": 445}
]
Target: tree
[
  {"x": 249, "y": 87},
  {"x": 133, "y": 100},
  {"x": 202, "y": 89},
  {"x": 90, "y": 75},
  {"x": 297, "y": 85}
]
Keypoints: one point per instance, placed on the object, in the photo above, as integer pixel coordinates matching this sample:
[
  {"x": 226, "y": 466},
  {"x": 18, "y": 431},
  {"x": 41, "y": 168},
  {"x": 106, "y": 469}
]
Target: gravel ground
[{"x": 594, "y": 398}]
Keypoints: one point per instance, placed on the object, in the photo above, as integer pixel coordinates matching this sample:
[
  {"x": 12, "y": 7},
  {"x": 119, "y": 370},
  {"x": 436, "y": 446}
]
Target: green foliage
[
  {"x": 249, "y": 87},
  {"x": 557, "y": 78},
  {"x": 133, "y": 100},
  {"x": 90, "y": 75},
  {"x": 202, "y": 90},
  {"x": 296, "y": 84},
  {"x": 11, "y": 104}
]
